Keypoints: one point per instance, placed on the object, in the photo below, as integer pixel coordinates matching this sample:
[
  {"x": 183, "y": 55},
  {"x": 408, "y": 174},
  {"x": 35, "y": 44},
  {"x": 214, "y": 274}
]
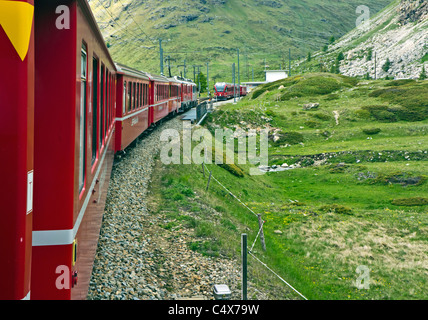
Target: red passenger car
[
  {"x": 188, "y": 94},
  {"x": 158, "y": 98},
  {"x": 224, "y": 91},
  {"x": 132, "y": 109},
  {"x": 16, "y": 148},
  {"x": 243, "y": 91},
  {"x": 74, "y": 143},
  {"x": 175, "y": 95}
]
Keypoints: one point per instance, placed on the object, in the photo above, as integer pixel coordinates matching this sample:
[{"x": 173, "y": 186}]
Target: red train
[
  {"x": 225, "y": 91},
  {"x": 66, "y": 109}
]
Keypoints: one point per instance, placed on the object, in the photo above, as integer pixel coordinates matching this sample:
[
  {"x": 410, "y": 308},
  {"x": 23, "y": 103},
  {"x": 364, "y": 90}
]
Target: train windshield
[{"x": 220, "y": 87}]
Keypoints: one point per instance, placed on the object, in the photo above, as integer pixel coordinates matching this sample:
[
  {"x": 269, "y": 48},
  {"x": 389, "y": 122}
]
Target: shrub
[
  {"x": 411, "y": 98},
  {"x": 410, "y": 202},
  {"x": 270, "y": 113},
  {"x": 332, "y": 96},
  {"x": 387, "y": 65},
  {"x": 423, "y": 74},
  {"x": 321, "y": 116},
  {"x": 363, "y": 114},
  {"x": 383, "y": 115},
  {"x": 312, "y": 124},
  {"x": 290, "y": 138},
  {"x": 232, "y": 168},
  {"x": 372, "y": 131},
  {"x": 313, "y": 86},
  {"x": 336, "y": 208},
  {"x": 257, "y": 93},
  {"x": 401, "y": 178},
  {"x": 401, "y": 82},
  {"x": 206, "y": 248}
]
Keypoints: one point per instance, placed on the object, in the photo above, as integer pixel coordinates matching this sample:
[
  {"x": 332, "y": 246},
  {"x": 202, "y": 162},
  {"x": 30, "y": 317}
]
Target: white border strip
[
  {"x": 138, "y": 112},
  {"x": 66, "y": 237},
  {"x": 132, "y": 114}
]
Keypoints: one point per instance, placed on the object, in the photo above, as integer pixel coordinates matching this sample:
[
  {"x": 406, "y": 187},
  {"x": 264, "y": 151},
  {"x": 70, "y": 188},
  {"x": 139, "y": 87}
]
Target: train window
[
  {"x": 95, "y": 73},
  {"x": 102, "y": 103},
  {"x": 144, "y": 94},
  {"x": 139, "y": 95},
  {"x": 104, "y": 117},
  {"x": 129, "y": 96},
  {"x": 133, "y": 95},
  {"x": 124, "y": 98},
  {"x": 147, "y": 94},
  {"x": 82, "y": 155}
]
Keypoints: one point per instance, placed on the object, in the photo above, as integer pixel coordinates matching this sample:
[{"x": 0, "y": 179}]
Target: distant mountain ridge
[
  {"x": 211, "y": 30},
  {"x": 395, "y": 41}
]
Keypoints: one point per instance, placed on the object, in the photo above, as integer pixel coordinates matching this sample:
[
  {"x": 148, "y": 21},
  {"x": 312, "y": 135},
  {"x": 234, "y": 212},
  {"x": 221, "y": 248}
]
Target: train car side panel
[{"x": 16, "y": 148}]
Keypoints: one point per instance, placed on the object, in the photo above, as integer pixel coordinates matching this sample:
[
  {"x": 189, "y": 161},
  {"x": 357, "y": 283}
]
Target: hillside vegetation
[
  {"x": 393, "y": 44},
  {"x": 353, "y": 191},
  {"x": 203, "y": 31}
]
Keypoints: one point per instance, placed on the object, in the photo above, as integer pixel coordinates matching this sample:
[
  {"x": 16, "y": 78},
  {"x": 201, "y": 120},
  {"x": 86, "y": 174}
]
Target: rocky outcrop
[
  {"x": 399, "y": 35},
  {"x": 413, "y": 11}
]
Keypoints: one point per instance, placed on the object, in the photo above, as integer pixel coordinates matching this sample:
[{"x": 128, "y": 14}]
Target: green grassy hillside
[
  {"x": 354, "y": 194},
  {"x": 211, "y": 31}
]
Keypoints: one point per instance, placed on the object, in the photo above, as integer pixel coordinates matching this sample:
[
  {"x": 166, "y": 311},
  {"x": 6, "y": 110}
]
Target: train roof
[
  {"x": 158, "y": 78},
  {"x": 184, "y": 80},
  {"x": 225, "y": 83},
  {"x": 122, "y": 69}
]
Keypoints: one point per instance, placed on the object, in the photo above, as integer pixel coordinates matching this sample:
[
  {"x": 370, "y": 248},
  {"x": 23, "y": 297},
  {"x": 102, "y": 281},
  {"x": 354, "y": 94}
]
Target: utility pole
[
  {"x": 208, "y": 79},
  {"x": 239, "y": 78},
  {"x": 234, "y": 85},
  {"x": 289, "y": 62},
  {"x": 183, "y": 65},
  {"x": 161, "y": 55},
  {"x": 248, "y": 71},
  {"x": 253, "y": 73},
  {"x": 244, "y": 265},
  {"x": 168, "y": 59}
]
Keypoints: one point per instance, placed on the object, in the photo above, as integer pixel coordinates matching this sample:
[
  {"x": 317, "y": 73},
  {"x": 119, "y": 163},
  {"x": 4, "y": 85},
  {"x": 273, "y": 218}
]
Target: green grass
[{"x": 364, "y": 204}]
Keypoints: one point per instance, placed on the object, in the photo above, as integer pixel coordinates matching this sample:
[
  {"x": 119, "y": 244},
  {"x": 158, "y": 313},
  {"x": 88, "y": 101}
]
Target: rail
[{"x": 202, "y": 109}]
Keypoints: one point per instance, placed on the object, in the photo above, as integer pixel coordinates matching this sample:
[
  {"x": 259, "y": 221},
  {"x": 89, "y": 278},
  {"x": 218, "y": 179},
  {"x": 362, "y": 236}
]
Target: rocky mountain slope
[
  {"x": 398, "y": 34},
  {"x": 203, "y": 31}
]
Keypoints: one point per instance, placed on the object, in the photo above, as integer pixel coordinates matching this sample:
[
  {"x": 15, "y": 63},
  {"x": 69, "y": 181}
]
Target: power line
[
  {"x": 120, "y": 25},
  {"x": 134, "y": 19}
]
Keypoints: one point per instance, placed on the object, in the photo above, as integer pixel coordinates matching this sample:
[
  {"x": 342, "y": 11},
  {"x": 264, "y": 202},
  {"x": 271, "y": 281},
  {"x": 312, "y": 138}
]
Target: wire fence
[{"x": 259, "y": 233}]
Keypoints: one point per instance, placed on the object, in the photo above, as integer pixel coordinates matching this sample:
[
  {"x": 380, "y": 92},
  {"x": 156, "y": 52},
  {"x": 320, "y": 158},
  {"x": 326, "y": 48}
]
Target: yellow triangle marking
[{"x": 16, "y": 18}]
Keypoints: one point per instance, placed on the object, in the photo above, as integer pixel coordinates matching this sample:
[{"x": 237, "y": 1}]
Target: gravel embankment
[{"x": 136, "y": 259}]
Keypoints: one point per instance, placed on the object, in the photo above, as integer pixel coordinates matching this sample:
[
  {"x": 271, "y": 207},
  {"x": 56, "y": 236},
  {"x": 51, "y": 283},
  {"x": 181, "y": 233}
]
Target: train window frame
[
  {"x": 124, "y": 98},
  {"x": 102, "y": 103},
  {"x": 83, "y": 119},
  {"x": 133, "y": 95},
  {"x": 95, "y": 110},
  {"x": 129, "y": 102},
  {"x": 107, "y": 108}
]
